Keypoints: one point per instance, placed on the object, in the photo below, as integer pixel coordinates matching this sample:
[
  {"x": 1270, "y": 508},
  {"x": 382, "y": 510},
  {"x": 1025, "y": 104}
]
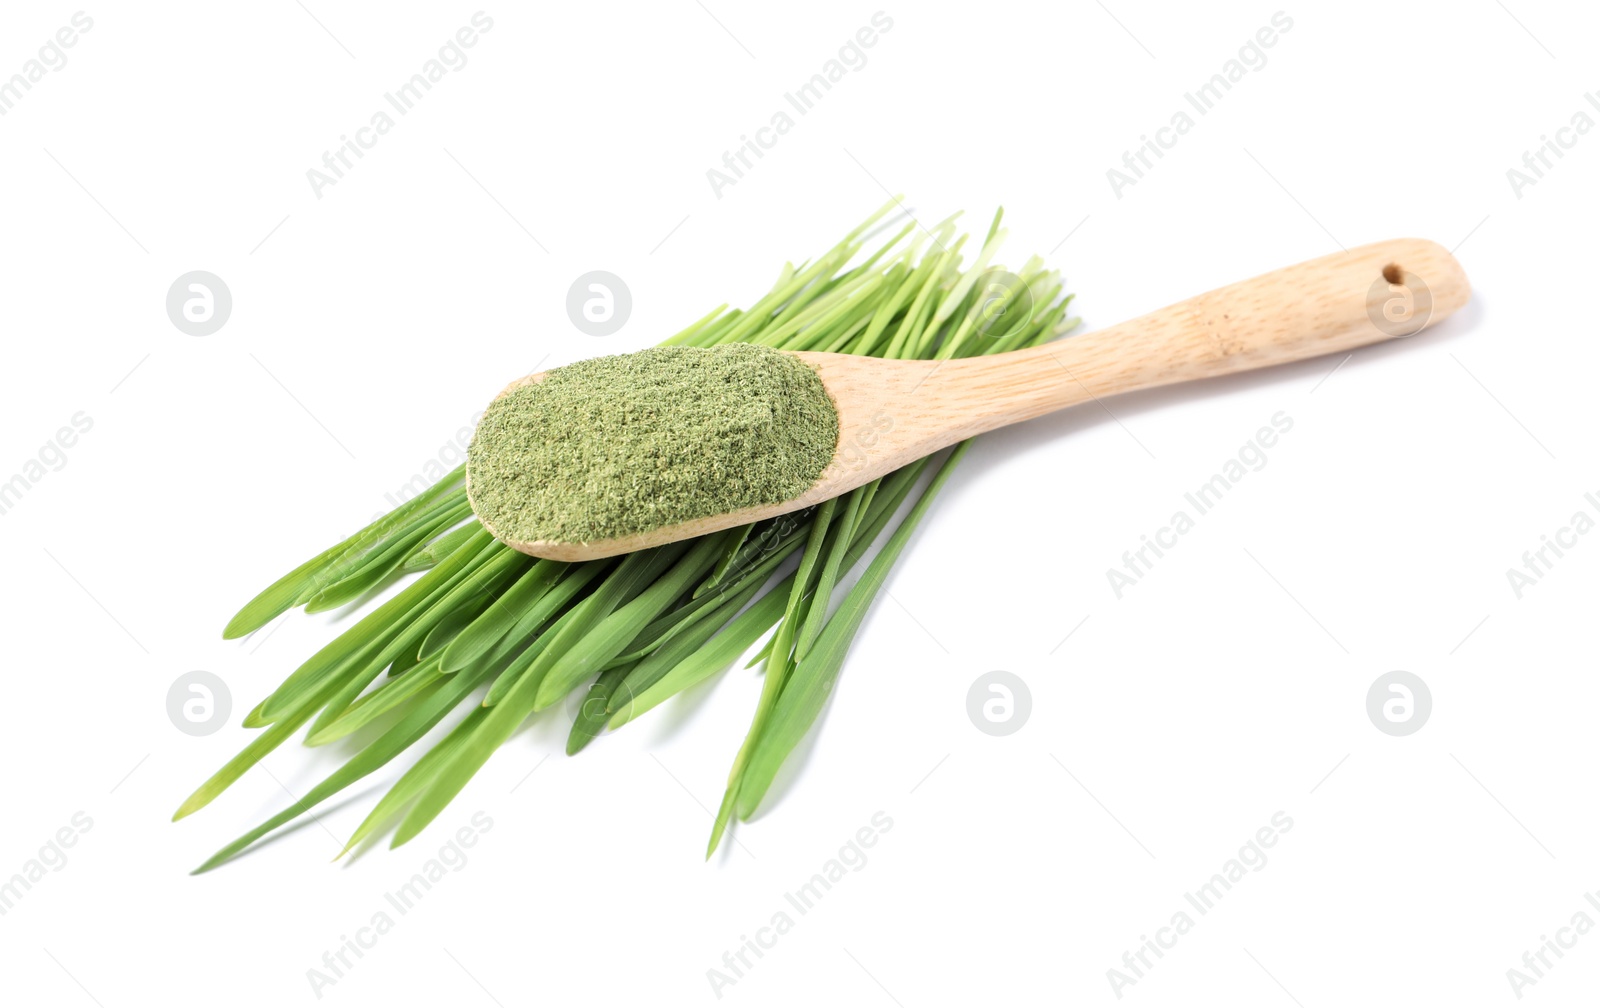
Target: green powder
[{"x": 617, "y": 445}]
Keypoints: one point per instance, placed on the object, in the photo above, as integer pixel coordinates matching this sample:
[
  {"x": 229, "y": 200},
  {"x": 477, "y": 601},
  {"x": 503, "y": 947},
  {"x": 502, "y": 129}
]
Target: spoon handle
[{"x": 1369, "y": 294}]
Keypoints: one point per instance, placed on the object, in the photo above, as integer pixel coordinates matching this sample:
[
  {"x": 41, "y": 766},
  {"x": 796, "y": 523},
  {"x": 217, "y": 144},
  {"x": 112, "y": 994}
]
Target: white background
[{"x": 1167, "y": 727}]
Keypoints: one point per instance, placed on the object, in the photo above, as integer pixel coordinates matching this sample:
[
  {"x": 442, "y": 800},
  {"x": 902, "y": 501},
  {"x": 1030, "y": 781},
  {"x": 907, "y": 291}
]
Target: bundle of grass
[{"x": 491, "y": 636}]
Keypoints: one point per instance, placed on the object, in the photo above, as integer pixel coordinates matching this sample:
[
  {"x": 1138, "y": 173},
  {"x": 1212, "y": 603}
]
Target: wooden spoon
[{"x": 893, "y": 412}]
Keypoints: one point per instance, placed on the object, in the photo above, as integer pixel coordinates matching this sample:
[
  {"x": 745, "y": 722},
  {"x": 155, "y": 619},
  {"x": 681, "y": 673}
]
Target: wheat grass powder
[{"x": 618, "y": 445}]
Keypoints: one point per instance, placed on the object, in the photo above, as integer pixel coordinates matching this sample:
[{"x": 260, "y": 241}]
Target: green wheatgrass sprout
[
  {"x": 488, "y": 636},
  {"x": 615, "y": 445}
]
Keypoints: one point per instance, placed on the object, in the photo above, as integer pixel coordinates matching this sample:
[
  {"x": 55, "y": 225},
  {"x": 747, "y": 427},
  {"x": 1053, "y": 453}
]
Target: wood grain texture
[{"x": 893, "y": 412}]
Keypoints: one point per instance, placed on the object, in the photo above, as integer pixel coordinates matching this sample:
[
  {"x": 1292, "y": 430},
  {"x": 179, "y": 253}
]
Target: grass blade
[
  {"x": 487, "y": 630},
  {"x": 718, "y": 654},
  {"x": 808, "y": 687},
  {"x": 591, "y": 717},
  {"x": 613, "y": 633},
  {"x": 434, "y": 552},
  {"x": 430, "y": 710},
  {"x": 281, "y": 595}
]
